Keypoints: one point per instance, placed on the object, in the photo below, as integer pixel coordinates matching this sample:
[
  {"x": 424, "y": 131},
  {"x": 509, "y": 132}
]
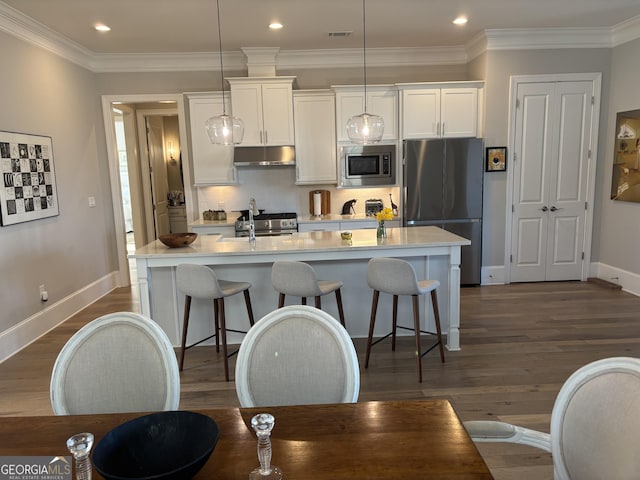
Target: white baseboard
[
  {"x": 492, "y": 275},
  {"x": 629, "y": 281},
  {"x": 30, "y": 329}
]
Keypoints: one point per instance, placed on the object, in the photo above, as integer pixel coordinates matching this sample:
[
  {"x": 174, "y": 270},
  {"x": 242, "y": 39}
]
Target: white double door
[{"x": 552, "y": 180}]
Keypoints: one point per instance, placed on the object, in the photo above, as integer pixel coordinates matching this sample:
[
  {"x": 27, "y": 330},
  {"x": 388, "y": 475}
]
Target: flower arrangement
[
  {"x": 381, "y": 216},
  {"x": 384, "y": 214}
]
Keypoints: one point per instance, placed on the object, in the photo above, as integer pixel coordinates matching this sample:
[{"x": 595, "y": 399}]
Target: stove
[{"x": 268, "y": 224}]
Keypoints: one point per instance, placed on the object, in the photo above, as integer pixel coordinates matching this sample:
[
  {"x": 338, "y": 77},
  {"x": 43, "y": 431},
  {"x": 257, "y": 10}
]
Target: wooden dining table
[{"x": 415, "y": 439}]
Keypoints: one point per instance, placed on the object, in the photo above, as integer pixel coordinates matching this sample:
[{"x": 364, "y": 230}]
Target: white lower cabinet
[
  {"x": 347, "y": 225},
  {"x": 319, "y": 227}
]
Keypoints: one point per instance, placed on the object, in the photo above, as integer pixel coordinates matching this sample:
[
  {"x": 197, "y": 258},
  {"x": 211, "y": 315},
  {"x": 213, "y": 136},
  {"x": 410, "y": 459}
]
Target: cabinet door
[
  {"x": 348, "y": 104},
  {"x": 385, "y": 104},
  {"x": 246, "y": 104},
  {"x": 315, "y": 128},
  {"x": 212, "y": 164},
  {"x": 319, "y": 227},
  {"x": 421, "y": 113},
  {"x": 459, "y": 112},
  {"x": 277, "y": 114}
]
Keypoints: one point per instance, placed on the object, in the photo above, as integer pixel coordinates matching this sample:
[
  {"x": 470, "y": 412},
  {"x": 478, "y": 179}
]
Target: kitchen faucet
[{"x": 252, "y": 224}]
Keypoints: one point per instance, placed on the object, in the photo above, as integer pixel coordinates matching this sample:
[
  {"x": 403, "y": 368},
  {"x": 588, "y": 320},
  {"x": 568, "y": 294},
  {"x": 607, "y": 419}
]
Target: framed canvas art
[
  {"x": 28, "y": 178},
  {"x": 496, "y": 160}
]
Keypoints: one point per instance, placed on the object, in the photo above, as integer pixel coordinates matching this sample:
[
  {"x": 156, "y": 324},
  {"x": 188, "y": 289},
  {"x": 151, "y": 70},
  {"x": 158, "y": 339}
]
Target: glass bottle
[
  {"x": 263, "y": 423},
  {"x": 80, "y": 446}
]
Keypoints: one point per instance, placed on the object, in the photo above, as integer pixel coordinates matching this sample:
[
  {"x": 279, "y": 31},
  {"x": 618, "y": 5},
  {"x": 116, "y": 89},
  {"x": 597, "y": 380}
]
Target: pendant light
[
  {"x": 365, "y": 128},
  {"x": 224, "y": 129}
]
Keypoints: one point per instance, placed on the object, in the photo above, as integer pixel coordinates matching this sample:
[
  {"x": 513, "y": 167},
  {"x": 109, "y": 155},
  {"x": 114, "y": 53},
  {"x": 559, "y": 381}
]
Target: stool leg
[
  {"x": 223, "y": 332},
  {"x": 247, "y": 301},
  {"x": 216, "y": 323},
  {"x": 372, "y": 323},
  {"x": 416, "y": 326},
  {"x": 436, "y": 315},
  {"x": 185, "y": 325},
  {"x": 281, "y": 300},
  {"x": 318, "y": 302},
  {"x": 340, "y": 310},
  {"x": 394, "y": 325}
]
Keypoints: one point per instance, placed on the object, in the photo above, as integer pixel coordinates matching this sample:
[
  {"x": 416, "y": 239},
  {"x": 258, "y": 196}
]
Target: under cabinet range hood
[{"x": 264, "y": 156}]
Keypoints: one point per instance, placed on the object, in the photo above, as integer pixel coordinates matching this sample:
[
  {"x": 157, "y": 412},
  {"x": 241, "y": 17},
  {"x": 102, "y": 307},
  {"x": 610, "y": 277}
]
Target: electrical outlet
[{"x": 44, "y": 295}]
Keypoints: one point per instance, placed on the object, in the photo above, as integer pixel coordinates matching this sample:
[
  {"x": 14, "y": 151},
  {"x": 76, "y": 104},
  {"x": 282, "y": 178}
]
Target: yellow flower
[{"x": 384, "y": 214}]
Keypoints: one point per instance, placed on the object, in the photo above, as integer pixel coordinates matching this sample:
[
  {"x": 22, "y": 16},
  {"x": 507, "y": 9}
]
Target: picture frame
[
  {"x": 496, "y": 159},
  {"x": 28, "y": 190}
]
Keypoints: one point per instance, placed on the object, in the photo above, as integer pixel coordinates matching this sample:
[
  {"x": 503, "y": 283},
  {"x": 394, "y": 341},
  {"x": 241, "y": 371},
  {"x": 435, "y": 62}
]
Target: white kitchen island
[{"x": 433, "y": 252}]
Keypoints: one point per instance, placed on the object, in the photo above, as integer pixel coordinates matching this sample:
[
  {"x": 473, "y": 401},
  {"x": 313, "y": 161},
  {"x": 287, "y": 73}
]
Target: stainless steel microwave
[{"x": 367, "y": 165}]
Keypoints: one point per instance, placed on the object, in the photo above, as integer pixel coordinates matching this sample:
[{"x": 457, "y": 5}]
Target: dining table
[{"x": 408, "y": 439}]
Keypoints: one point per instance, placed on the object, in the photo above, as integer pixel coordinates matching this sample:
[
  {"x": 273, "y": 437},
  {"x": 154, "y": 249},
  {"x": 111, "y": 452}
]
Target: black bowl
[{"x": 163, "y": 445}]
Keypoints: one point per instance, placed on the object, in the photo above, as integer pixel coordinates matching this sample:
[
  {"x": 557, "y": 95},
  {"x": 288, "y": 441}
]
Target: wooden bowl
[{"x": 174, "y": 240}]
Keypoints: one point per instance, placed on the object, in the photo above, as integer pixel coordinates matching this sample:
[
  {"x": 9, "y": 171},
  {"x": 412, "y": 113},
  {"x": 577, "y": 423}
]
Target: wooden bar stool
[
  {"x": 299, "y": 279},
  {"x": 397, "y": 277},
  {"x": 200, "y": 281}
]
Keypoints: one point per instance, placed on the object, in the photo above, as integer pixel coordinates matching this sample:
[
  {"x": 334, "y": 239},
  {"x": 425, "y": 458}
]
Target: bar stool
[
  {"x": 397, "y": 277},
  {"x": 299, "y": 279},
  {"x": 200, "y": 281}
]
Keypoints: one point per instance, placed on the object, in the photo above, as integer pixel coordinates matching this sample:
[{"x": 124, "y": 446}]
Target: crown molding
[
  {"x": 25, "y": 28},
  {"x": 545, "y": 38}
]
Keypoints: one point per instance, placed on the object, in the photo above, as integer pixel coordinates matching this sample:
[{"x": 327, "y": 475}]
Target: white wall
[{"x": 42, "y": 94}]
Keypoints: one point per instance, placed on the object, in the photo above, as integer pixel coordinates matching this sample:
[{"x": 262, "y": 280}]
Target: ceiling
[{"x": 189, "y": 26}]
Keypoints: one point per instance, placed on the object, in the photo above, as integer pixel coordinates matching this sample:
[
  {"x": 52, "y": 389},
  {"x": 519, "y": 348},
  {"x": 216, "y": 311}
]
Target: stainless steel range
[{"x": 268, "y": 224}]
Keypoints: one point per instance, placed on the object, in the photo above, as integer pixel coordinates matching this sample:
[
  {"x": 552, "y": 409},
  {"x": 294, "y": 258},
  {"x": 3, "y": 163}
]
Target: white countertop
[{"x": 311, "y": 242}]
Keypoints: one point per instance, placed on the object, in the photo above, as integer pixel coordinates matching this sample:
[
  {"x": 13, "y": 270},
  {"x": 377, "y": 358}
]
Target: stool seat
[
  {"x": 299, "y": 279},
  {"x": 200, "y": 281},
  {"x": 398, "y": 277}
]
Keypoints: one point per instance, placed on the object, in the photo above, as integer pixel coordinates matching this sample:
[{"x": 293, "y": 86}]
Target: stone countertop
[
  {"x": 336, "y": 217},
  {"x": 329, "y": 243}
]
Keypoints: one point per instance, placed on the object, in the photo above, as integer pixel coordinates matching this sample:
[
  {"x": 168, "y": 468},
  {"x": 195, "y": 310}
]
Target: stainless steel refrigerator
[{"x": 443, "y": 187}]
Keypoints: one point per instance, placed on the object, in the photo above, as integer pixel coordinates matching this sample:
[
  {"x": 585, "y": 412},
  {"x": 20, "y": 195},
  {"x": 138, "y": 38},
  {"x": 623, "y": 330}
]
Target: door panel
[
  {"x": 470, "y": 255},
  {"x": 159, "y": 182},
  {"x": 424, "y": 165},
  {"x": 552, "y": 140},
  {"x": 463, "y": 179}
]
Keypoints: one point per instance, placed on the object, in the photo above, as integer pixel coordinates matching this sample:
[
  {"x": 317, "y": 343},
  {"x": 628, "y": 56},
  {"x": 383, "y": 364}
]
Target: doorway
[
  {"x": 143, "y": 136},
  {"x": 553, "y": 132}
]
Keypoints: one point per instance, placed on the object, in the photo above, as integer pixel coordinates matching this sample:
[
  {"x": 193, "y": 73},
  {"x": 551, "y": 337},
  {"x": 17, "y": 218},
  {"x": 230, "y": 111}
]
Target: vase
[{"x": 382, "y": 230}]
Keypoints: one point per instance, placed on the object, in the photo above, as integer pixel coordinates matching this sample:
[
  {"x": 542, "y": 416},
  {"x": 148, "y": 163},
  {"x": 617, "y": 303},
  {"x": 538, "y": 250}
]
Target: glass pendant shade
[
  {"x": 365, "y": 128},
  {"x": 225, "y": 129}
]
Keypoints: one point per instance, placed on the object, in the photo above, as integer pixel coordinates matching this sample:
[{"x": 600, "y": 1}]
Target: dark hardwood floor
[{"x": 519, "y": 344}]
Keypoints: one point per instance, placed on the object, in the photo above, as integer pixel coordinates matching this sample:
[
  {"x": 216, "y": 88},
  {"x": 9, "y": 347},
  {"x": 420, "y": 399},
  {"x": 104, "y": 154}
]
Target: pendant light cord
[
  {"x": 224, "y": 106},
  {"x": 364, "y": 52}
]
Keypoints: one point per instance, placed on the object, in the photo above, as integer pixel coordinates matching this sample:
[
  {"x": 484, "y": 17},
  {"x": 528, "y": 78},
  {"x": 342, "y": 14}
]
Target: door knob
[
  {"x": 544, "y": 209},
  {"x": 554, "y": 209}
]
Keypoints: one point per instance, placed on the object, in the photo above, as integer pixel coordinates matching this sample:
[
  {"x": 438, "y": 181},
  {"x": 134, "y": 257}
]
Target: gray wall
[
  {"x": 43, "y": 94},
  {"x": 619, "y": 233}
]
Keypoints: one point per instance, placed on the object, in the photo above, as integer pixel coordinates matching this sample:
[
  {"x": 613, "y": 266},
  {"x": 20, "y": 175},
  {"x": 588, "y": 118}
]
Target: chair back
[
  {"x": 297, "y": 355},
  {"x": 198, "y": 281},
  {"x": 595, "y": 422},
  {"x": 121, "y": 362},
  {"x": 294, "y": 278},
  {"x": 392, "y": 275}
]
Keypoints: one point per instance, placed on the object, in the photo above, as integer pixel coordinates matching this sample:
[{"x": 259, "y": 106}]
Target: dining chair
[
  {"x": 299, "y": 279},
  {"x": 297, "y": 355},
  {"x": 398, "y": 277},
  {"x": 200, "y": 281},
  {"x": 595, "y": 424},
  {"x": 120, "y": 362}
]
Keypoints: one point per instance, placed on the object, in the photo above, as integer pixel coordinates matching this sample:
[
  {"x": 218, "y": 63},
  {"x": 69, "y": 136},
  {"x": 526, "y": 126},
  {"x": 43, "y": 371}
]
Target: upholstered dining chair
[
  {"x": 297, "y": 355},
  {"x": 595, "y": 424},
  {"x": 120, "y": 362}
]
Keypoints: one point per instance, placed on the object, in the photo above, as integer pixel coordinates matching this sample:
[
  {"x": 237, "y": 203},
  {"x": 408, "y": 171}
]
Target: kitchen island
[{"x": 433, "y": 252}]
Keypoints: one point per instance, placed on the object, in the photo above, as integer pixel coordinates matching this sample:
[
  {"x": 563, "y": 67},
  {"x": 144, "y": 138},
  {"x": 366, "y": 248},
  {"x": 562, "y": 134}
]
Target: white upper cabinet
[
  {"x": 382, "y": 100},
  {"x": 265, "y": 105},
  {"x": 315, "y": 127},
  {"x": 212, "y": 164},
  {"x": 441, "y": 110}
]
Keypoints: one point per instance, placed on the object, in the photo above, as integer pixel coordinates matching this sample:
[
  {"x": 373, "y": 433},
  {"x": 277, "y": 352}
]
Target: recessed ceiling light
[
  {"x": 460, "y": 20},
  {"x": 101, "y": 27},
  {"x": 275, "y": 26}
]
